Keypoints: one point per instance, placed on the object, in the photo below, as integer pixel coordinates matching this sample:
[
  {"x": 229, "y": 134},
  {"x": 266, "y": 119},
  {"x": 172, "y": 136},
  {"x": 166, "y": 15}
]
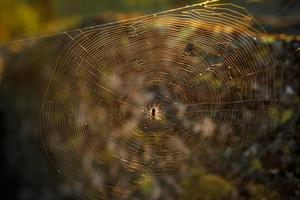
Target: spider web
[{"x": 142, "y": 95}]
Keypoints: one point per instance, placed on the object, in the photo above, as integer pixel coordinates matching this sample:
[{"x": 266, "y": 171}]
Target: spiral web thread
[{"x": 139, "y": 96}]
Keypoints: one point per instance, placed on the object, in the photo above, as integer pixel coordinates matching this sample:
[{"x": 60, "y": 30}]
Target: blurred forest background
[
  {"x": 24, "y": 18},
  {"x": 262, "y": 171}
]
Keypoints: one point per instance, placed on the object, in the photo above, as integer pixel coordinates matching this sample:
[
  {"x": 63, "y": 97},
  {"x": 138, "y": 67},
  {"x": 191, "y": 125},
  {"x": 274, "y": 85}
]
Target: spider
[{"x": 154, "y": 112}]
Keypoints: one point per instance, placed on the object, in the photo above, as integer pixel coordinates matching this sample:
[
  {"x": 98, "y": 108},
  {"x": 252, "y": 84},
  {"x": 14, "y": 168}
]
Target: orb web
[{"x": 141, "y": 95}]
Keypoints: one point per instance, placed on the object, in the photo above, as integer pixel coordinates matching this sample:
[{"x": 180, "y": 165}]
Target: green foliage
[
  {"x": 286, "y": 115},
  {"x": 263, "y": 193},
  {"x": 26, "y": 18},
  {"x": 146, "y": 184},
  {"x": 199, "y": 186},
  {"x": 256, "y": 165},
  {"x": 17, "y": 19}
]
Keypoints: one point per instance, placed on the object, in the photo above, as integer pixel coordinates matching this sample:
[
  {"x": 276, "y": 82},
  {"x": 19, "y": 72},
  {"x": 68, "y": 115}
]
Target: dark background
[{"x": 262, "y": 171}]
